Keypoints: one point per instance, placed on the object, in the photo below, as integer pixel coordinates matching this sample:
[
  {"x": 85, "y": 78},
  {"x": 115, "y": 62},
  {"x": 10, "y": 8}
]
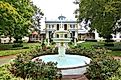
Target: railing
[{"x": 61, "y": 39}]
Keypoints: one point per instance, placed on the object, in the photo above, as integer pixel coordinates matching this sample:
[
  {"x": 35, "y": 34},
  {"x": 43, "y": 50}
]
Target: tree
[
  {"x": 21, "y": 24},
  {"x": 8, "y": 15},
  {"x": 26, "y": 11},
  {"x": 103, "y": 15},
  {"x": 37, "y": 19}
]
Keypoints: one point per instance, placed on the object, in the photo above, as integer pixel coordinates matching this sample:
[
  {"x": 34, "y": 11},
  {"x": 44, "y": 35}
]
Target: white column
[
  {"x": 96, "y": 35},
  {"x": 76, "y": 34},
  {"x": 47, "y": 37},
  {"x": 118, "y": 37},
  {"x": 75, "y": 43}
]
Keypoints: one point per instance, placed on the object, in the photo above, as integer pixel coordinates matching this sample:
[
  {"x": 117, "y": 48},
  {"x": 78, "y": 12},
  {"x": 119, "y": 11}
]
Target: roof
[
  {"x": 60, "y": 21},
  {"x": 34, "y": 33},
  {"x": 61, "y": 17}
]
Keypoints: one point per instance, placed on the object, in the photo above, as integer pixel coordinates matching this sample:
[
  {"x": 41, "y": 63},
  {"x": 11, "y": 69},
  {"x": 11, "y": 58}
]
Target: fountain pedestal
[{"x": 61, "y": 51}]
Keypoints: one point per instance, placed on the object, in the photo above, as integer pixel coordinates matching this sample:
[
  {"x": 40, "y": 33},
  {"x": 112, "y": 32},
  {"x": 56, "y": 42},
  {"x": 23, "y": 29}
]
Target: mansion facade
[{"x": 77, "y": 31}]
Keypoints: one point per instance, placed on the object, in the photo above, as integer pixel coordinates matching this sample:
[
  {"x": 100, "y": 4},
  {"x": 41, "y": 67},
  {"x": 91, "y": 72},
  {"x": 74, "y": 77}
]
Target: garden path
[{"x": 6, "y": 59}]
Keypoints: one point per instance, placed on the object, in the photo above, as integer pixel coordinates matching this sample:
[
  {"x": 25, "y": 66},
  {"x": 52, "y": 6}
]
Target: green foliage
[
  {"x": 5, "y": 74},
  {"x": 24, "y": 67},
  {"x": 116, "y": 76},
  {"x": 115, "y": 53},
  {"x": 16, "y": 17},
  {"x": 8, "y": 18},
  {"x": 103, "y": 15},
  {"x": 102, "y": 68},
  {"x": 27, "y": 47}
]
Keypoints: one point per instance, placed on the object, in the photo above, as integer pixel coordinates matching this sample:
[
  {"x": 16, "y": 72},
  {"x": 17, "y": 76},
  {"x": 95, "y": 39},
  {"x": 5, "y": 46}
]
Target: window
[
  {"x": 57, "y": 26},
  {"x": 65, "y": 26},
  {"x": 57, "y": 36},
  {"x": 53, "y": 26},
  {"x": 49, "y": 26},
  {"x": 114, "y": 36},
  {"x": 120, "y": 36},
  {"x": 70, "y": 26},
  {"x": 65, "y": 35}
]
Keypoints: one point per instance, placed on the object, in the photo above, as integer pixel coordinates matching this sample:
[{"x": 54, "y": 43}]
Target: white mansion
[{"x": 77, "y": 30}]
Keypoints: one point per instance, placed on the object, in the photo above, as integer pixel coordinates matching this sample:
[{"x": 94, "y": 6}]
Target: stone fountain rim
[
  {"x": 73, "y": 67},
  {"x": 66, "y": 68}
]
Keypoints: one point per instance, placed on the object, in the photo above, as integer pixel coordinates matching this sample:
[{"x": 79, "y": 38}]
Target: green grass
[
  {"x": 115, "y": 53},
  {"x": 13, "y": 52},
  {"x": 89, "y": 45}
]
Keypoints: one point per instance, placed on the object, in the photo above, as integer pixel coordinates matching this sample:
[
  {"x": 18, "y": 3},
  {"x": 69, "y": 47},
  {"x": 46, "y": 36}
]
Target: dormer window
[{"x": 61, "y": 17}]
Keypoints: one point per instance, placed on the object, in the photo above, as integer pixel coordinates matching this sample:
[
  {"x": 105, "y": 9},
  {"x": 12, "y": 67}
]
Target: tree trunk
[{"x": 10, "y": 39}]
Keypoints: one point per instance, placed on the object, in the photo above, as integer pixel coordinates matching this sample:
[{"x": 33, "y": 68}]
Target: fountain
[{"x": 68, "y": 64}]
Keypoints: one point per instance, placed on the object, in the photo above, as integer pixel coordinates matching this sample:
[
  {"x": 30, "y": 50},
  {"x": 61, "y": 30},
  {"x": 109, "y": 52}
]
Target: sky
[{"x": 54, "y": 8}]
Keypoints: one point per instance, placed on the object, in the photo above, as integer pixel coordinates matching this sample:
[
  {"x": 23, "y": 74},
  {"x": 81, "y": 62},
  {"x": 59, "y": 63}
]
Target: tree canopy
[
  {"x": 16, "y": 17},
  {"x": 8, "y": 15},
  {"x": 103, "y": 14}
]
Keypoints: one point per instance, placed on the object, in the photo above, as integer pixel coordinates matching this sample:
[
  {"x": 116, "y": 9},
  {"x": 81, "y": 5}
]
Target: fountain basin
[{"x": 68, "y": 64}]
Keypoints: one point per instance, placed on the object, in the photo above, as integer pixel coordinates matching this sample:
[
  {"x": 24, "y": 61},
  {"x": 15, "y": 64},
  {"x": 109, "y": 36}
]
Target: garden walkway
[{"x": 6, "y": 59}]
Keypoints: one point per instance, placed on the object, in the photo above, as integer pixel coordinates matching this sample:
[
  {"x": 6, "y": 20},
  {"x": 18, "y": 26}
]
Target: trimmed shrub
[
  {"x": 5, "y": 74},
  {"x": 23, "y": 67},
  {"x": 17, "y": 45},
  {"x": 109, "y": 41},
  {"x": 109, "y": 44},
  {"x": 5, "y": 46},
  {"x": 90, "y": 40},
  {"x": 102, "y": 68}
]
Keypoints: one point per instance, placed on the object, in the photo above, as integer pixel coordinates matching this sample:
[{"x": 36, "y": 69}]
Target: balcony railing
[{"x": 61, "y": 39}]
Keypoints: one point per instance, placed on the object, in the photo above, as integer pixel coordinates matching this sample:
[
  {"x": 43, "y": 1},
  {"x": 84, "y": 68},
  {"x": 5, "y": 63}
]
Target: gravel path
[{"x": 6, "y": 59}]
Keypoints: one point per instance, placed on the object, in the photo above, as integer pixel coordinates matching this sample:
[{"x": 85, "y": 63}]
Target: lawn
[
  {"x": 13, "y": 52},
  {"x": 116, "y": 53},
  {"x": 89, "y": 45}
]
